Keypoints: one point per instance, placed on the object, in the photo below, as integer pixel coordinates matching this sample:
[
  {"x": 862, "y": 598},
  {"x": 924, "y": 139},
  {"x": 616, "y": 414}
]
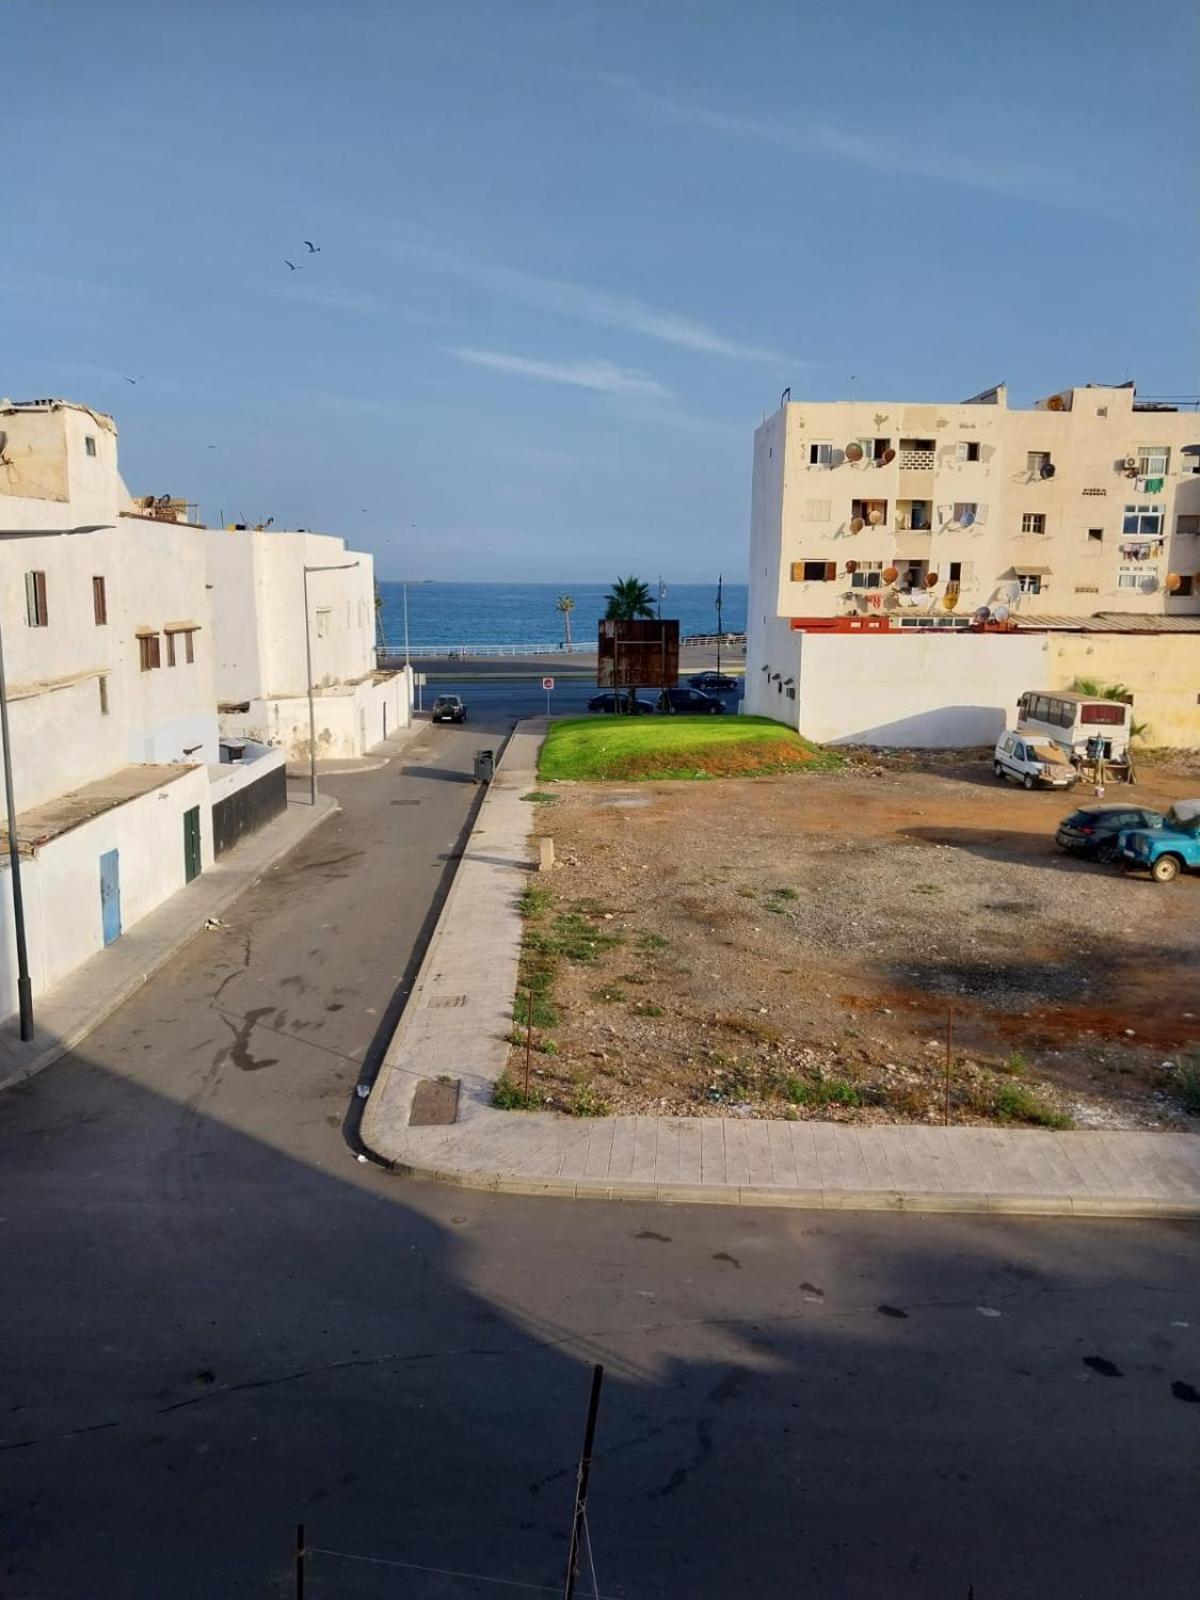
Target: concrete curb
[{"x": 65, "y": 1040}]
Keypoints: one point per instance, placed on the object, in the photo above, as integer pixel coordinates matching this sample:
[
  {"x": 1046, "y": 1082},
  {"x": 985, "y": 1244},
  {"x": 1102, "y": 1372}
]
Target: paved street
[{"x": 217, "y": 1323}]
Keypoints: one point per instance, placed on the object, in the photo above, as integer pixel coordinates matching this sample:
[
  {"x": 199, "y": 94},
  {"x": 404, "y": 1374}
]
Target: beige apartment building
[{"x": 1088, "y": 502}]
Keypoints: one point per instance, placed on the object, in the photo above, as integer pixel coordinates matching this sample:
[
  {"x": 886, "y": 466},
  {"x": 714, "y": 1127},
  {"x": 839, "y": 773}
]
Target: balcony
[
  {"x": 914, "y": 516},
  {"x": 917, "y": 455}
]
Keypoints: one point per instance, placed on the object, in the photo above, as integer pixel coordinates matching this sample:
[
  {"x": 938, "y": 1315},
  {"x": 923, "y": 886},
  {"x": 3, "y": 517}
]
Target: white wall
[
  {"x": 771, "y": 646},
  {"x": 349, "y": 722},
  {"x": 230, "y": 776},
  {"x": 61, "y": 882},
  {"x": 920, "y": 690}
]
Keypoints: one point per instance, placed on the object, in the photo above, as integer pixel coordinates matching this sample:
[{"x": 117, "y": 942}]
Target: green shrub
[
  {"x": 836, "y": 1092},
  {"x": 1189, "y": 1087},
  {"x": 1014, "y": 1103},
  {"x": 533, "y": 900},
  {"x": 587, "y": 1101},
  {"x": 509, "y": 1095}
]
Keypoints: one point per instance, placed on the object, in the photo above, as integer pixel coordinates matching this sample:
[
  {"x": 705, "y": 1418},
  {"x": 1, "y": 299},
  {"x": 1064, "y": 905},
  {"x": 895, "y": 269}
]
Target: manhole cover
[
  {"x": 406, "y": 802},
  {"x": 435, "y": 1103},
  {"x": 442, "y": 1002}
]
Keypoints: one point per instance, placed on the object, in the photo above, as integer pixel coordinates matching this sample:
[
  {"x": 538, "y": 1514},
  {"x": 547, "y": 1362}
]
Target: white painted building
[
  {"x": 874, "y": 520},
  {"x": 107, "y": 633},
  {"x": 258, "y": 588}
]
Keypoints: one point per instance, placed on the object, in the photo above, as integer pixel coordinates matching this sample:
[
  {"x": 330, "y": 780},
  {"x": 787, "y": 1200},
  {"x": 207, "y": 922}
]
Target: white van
[
  {"x": 1073, "y": 720},
  {"x": 1032, "y": 762}
]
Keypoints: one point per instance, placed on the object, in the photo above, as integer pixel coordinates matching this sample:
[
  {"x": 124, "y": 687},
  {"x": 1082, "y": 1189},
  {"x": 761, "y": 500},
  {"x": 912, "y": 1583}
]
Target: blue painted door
[{"x": 110, "y": 895}]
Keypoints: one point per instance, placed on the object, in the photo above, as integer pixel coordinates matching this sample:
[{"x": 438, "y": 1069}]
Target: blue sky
[{"x": 571, "y": 253}]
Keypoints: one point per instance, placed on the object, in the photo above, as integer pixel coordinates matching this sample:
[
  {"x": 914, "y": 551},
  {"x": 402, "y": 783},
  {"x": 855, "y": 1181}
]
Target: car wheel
[
  {"x": 1027, "y": 781},
  {"x": 1107, "y": 854},
  {"x": 1165, "y": 869},
  {"x": 997, "y": 769}
]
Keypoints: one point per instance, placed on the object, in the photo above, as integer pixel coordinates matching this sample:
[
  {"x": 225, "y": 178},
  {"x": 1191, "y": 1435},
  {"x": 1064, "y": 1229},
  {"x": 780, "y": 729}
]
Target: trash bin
[{"x": 485, "y": 765}]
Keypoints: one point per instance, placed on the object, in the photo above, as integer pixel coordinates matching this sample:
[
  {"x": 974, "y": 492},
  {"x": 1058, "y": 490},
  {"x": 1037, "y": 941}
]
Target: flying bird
[
  {"x": 138, "y": 379},
  {"x": 290, "y": 264},
  {"x": 313, "y": 249}
]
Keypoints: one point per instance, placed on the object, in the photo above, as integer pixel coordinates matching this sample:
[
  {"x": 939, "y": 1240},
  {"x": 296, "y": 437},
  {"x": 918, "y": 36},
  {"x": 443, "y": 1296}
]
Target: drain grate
[{"x": 442, "y": 1002}]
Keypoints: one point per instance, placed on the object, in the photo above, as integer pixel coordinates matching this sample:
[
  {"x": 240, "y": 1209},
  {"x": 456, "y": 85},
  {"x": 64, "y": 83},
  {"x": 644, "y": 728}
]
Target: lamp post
[
  {"x": 341, "y": 566},
  {"x": 24, "y": 986}
]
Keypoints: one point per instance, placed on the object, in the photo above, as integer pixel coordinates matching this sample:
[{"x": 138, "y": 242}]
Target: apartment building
[
  {"x": 262, "y": 582},
  {"x": 888, "y": 518}
]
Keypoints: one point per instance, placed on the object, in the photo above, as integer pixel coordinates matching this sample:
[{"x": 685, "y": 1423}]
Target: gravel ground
[{"x": 798, "y": 945}]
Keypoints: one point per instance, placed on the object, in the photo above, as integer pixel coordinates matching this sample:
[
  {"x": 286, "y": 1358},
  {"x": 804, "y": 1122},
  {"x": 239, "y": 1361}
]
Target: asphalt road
[
  {"x": 493, "y": 700},
  {"x": 217, "y": 1323}
]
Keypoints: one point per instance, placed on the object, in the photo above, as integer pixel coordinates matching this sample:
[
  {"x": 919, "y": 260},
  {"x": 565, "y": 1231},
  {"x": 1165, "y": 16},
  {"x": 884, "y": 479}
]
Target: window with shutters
[
  {"x": 820, "y": 454},
  {"x": 149, "y": 651},
  {"x": 814, "y": 571},
  {"x": 816, "y": 510},
  {"x": 99, "y": 602},
  {"x": 36, "y": 611},
  {"x": 967, "y": 450}
]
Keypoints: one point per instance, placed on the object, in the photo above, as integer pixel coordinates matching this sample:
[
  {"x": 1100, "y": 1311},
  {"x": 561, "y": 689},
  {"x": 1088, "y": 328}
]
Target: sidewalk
[
  {"x": 460, "y": 1011},
  {"x": 69, "y": 1011}
]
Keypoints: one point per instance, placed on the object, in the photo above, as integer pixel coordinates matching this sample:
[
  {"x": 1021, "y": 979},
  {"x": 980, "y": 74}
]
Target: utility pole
[
  {"x": 720, "y": 580},
  {"x": 342, "y": 566},
  {"x": 581, "y": 1483},
  {"x": 24, "y": 986}
]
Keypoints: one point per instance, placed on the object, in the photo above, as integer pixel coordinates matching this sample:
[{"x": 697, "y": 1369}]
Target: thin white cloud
[
  {"x": 601, "y": 375},
  {"x": 584, "y": 301},
  {"x": 971, "y": 170}
]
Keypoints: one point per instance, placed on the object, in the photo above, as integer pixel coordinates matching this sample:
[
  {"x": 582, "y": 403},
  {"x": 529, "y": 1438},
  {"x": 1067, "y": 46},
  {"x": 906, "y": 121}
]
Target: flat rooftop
[{"x": 38, "y": 825}]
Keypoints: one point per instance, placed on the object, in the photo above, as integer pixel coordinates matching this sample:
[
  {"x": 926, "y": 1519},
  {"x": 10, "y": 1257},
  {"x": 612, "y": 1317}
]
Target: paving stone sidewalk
[
  {"x": 460, "y": 1011},
  {"x": 69, "y": 1012}
]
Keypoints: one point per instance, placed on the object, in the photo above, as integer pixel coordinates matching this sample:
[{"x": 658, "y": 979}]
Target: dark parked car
[
  {"x": 1092, "y": 830},
  {"x": 688, "y": 703},
  {"x": 448, "y": 708},
  {"x": 713, "y": 682},
  {"x": 605, "y": 702}
]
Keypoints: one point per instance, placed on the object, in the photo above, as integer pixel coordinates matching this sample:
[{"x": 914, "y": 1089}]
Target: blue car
[{"x": 1167, "y": 851}]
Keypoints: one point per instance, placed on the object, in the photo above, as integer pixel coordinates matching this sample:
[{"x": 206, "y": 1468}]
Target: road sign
[{"x": 547, "y": 684}]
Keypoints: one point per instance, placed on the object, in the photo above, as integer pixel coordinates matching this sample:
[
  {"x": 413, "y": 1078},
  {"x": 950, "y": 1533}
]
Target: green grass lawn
[{"x": 676, "y": 747}]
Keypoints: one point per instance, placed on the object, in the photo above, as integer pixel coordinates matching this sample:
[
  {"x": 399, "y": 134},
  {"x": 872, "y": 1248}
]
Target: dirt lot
[{"x": 795, "y": 945}]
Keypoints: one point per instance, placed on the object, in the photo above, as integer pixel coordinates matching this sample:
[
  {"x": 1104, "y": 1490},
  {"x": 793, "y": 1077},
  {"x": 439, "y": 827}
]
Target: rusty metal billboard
[{"x": 638, "y": 655}]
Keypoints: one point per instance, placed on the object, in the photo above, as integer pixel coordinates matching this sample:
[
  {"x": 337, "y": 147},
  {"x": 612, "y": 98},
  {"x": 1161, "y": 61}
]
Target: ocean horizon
[{"x": 524, "y": 614}]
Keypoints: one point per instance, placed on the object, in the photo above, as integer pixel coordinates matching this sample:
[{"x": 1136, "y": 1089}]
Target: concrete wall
[
  {"x": 61, "y": 882},
  {"x": 916, "y": 690},
  {"x": 48, "y": 471},
  {"x": 231, "y": 776},
  {"x": 771, "y": 646},
  {"x": 350, "y": 721},
  {"x": 1162, "y": 670}
]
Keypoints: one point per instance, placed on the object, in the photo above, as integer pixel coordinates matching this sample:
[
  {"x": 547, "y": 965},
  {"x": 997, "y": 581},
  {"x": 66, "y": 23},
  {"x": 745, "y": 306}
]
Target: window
[
  {"x": 188, "y": 647},
  {"x": 1096, "y": 535},
  {"x": 1145, "y": 520},
  {"x": 868, "y": 576},
  {"x": 89, "y": 444},
  {"x": 820, "y": 455},
  {"x": 967, "y": 450},
  {"x": 814, "y": 571},
  {"x": 1187, "y": 524},
  {"x": 99, "y": 602},
  {"x": 1104, "y": 715},
  {"x": 323, "y": 615},
  {"x": 170, "y": 649},
  {"x": 1154, "y": 460},
  {"x": 965, "y": 512},
  {"x": 1033, "y": 522},
  {"x": 880, "y": 448},
  {"x": 1035, "y": 460},
  {"x": 816, "y": 511},
  {"x": 103, "y": 696},
  {"x": 874, "y": 512},
  {"x": 1186, "y": 584},
  {"x": 36, "y": 613},
  {"x": 1130, "y": 577},
  {"x": 1030, "y": 582},
  {"x": 149, "y": 651}
]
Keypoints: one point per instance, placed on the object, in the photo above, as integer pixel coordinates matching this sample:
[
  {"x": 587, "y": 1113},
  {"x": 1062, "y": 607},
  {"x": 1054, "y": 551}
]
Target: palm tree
[
  {"x": 628, "y": 599},
  {"x": 566, "y": 604}
]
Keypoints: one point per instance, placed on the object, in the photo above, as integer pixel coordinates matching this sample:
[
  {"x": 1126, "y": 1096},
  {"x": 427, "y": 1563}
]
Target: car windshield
[{"x": 1183, "y": 822}]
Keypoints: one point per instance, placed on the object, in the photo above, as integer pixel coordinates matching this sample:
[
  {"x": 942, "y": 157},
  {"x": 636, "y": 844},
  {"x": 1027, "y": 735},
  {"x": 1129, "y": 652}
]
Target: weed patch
[
  {"x": 1012, "y": 1102},
  {"x": 509, "y": 1095}
]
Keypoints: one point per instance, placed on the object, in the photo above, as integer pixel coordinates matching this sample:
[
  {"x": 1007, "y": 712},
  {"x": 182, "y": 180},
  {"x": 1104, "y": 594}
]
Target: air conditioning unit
[{"x": 1129, "y": 466}]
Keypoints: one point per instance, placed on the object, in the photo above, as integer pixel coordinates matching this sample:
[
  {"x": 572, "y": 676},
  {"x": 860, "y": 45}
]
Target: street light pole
[
  {"x": 342, "y": 566},
  {"x": 24, "y": 986},
  {"x": 406, "y": 660}
]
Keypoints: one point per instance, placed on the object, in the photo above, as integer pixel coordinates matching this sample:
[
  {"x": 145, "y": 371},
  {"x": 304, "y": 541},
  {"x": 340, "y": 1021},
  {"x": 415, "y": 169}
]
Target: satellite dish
[
  {"x": 1173, "y": 578},
  {"x": 1012, "y": 593},
  {"x": 853, "y": 451},
  {"x": 890, "y": 574},
  {"x": 164, "y": 500},
  {"x": 1047, "y": 470},
  {"x": 875, "y": 518},
  {"x": 1149, "y": 583},
  {"x": 982, "y": 615},
  {"x": 931, "y": 580},
  {"x": 1000, "y": 614},
  {"x": 888, "y": 456},
  {"x": 949, "y": 601},
  {"x": 857, "y": 525},
  {"x": 967, "y": 518},
  {"x": 852, "y": 566},
  {"x": 1056, "y": 403}
]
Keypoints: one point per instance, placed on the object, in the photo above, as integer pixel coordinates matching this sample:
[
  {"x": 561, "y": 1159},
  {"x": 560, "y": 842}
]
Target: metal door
[
  {"x": 191, "y": 844},
  {"x": 110, "y": 895}
]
